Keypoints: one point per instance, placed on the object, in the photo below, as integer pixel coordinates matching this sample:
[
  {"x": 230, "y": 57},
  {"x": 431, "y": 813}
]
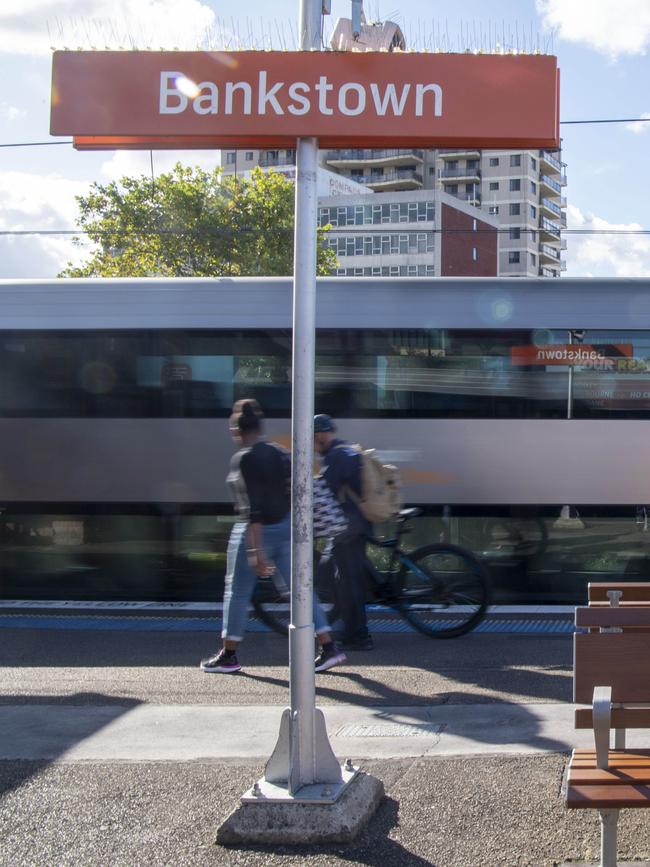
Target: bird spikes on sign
[{"x": 245, "y": 33}]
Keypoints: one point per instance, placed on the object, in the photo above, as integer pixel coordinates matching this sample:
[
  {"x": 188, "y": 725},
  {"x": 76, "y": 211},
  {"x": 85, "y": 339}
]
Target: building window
[
  {"x": 474, "y": 254},
  {"x": 452, "y": 164},
  {"x": 432, "y": 170},
  {"x": 231, "y": 157},
  {"x": 494, "y": 161},
  {"x": 515, "y": 160},
  {"x": 515, "y": 209},
  {"x": 494, "y": 209},
  {"x": 533, "y": 259},
  {"x": 452, "y": 189},
  {"x": 533, "y": 164},
  {"x": 494, "y": 185},
  {"x": 249, "y": 156},
  {"x": 474, "y": 225},
  {"x": 533, "y": 187},
  {"x": 533, "y": 211},
  {"x": 515, "y": 234},
  {"x": 513, "y": 258},
  {"x": 515, "y": 185}
]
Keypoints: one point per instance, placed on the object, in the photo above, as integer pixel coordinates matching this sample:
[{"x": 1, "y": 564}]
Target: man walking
[{"x": 342, "y": 471}]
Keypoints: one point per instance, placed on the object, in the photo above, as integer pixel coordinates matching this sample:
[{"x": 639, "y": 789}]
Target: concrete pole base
[{"x": 290, "y": 824}]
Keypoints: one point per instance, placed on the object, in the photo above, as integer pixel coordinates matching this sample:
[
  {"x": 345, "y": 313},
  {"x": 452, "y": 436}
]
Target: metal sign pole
[{"x": 303, "y": 755}]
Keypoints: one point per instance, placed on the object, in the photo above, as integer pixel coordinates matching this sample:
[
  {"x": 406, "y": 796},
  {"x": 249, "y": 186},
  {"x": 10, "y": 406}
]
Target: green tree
[{"x": 189, "y": 222}]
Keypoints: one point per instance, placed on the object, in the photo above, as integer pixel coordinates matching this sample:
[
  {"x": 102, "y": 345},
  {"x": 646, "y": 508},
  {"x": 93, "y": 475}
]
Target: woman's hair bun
[{"x": 247, "y": 415}]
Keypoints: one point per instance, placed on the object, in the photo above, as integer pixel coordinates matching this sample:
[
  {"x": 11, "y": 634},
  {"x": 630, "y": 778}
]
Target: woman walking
[{"x": 260, "y": 542}]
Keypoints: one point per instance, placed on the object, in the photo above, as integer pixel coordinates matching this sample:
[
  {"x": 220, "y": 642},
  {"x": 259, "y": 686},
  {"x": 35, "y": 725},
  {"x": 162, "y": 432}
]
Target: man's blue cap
[{"x": 323, "y": 424}]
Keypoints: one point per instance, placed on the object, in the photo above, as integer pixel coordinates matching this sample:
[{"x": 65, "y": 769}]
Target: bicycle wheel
[
  {"x": 272, "y": 604},
  {"x": 444, "y": 590}
]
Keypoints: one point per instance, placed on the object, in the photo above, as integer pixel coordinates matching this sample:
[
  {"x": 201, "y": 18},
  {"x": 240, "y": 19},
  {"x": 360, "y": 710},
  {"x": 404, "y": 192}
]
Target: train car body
[{"x": 494, "y": 397}]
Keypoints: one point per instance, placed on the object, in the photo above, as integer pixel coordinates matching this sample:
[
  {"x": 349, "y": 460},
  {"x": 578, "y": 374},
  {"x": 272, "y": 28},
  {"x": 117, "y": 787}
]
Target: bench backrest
[
  {"x": 632, "y": 591},
  {"x": 617, "y": 659}
]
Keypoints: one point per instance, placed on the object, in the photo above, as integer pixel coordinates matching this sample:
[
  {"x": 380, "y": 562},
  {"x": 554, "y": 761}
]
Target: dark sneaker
[
  {"x": 329, "y": 656},
  {"x": 221, "y": 663},
  {"x": 359, "y": 644}
]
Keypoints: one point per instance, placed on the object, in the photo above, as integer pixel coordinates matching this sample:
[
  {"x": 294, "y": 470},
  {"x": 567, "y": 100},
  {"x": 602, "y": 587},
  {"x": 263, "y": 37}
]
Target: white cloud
[
  {"x": 135, "y": 163},
  {"x": 32, "y": 201},
  {"x": 10, "y": 112},
  {"x": 638, "y": 127},
  {"x": 613, "y": 28},
  {"x": 41, "y": 24},
  {"x": 605, "y": 255}
]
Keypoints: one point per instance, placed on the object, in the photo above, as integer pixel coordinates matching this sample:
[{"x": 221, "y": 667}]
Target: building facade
[
  {"x": 522, "y": 189},
  {"x": 420, "y": 233}
]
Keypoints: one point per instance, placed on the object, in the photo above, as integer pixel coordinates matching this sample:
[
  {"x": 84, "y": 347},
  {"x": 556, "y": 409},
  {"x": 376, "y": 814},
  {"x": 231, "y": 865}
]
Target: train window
[{"x": 362, "y": 373}]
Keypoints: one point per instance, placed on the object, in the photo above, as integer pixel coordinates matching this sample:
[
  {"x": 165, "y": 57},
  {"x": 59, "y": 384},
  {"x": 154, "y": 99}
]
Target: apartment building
[
  {"x": 386, "y": 221},
  {"x": 522, "y": 189}
]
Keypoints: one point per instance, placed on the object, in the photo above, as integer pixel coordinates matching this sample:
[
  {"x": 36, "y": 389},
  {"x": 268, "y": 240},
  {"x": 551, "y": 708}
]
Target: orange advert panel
[
  {"x": 243, "y": 99},
  {"x": 572, "y": 354}
]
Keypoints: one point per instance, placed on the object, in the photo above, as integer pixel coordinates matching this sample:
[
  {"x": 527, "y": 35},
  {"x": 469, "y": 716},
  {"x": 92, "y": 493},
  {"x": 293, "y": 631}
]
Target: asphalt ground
[{"x": 448, "y": 810}]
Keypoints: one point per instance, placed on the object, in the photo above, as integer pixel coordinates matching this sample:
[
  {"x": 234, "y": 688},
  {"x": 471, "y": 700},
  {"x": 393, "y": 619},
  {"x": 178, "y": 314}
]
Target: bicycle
[{"x": 442, "y": 590}]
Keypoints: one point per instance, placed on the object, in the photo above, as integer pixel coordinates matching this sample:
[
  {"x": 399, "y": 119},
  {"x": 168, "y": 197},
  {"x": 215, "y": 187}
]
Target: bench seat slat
[
  {"x": 617, "y": 659},
  {"x": 623, "y": 767},
  {"x": 629, "y": 717},
  {"x": 630, "y": 616},
  {"x": 632, "y": 590},
  {"x": 579, "y": 776},
  {"x": 630, "y": 603},
  {"x": 597, "y": 776},
  {"x": 606, "y": 797}
]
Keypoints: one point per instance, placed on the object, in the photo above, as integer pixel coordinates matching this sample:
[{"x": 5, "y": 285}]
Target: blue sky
[{"x": 602, "y": 48}]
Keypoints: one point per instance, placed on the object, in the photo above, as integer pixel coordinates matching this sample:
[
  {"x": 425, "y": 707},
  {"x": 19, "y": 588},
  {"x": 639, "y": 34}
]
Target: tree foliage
[{"x": 191, "y": 223}]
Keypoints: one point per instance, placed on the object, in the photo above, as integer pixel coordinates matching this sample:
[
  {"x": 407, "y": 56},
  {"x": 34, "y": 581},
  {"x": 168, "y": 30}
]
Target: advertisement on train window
[{"x": 602, "y": 355}]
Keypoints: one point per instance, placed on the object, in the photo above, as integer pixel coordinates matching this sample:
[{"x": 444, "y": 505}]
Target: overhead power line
[{"x": 349, "y": 231}]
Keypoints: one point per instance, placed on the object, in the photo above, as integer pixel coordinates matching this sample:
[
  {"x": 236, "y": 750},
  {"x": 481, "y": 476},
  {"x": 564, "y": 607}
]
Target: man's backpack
[{"x": 380, "y": 487}]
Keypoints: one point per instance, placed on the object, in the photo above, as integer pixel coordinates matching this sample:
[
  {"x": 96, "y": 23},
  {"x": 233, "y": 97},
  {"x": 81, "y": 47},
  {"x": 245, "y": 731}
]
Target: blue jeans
[{"x": 241, "y": 579}]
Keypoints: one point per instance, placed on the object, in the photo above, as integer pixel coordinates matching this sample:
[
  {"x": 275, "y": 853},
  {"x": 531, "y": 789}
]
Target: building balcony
[
  {"x": 551, "y": 184},
  {"x": 460, "y": 154},
  {"x": 473, "y": 198},
  {"x": 550, "y": 253},
  {"x": 547, "y": 272},
  {"x": 551, "y": 160},
  {"x": 360, "y": 157},
  {"x": 553, "y": 209},
  {"x": 466, "y": 175},
  {"x": 399, "y": 179},
  {"x": 270, "y": 160},
  {"x": 548, "y": 229}
]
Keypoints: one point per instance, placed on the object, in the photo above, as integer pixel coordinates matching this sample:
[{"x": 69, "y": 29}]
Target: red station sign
[{"x": 268, "y": 99}]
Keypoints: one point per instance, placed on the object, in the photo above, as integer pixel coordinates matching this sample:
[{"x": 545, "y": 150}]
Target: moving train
[{"x": 517, "y": 411}]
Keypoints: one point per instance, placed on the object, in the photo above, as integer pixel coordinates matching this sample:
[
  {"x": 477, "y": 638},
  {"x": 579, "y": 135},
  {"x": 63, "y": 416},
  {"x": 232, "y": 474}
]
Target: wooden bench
[
  {"x": 611, "y": 675},
  {"x": 631, "y": 592}
]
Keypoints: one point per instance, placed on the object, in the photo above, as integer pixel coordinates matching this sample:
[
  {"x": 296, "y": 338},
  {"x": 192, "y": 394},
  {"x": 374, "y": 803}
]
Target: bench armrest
[{"x": 602, "y": 720}]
